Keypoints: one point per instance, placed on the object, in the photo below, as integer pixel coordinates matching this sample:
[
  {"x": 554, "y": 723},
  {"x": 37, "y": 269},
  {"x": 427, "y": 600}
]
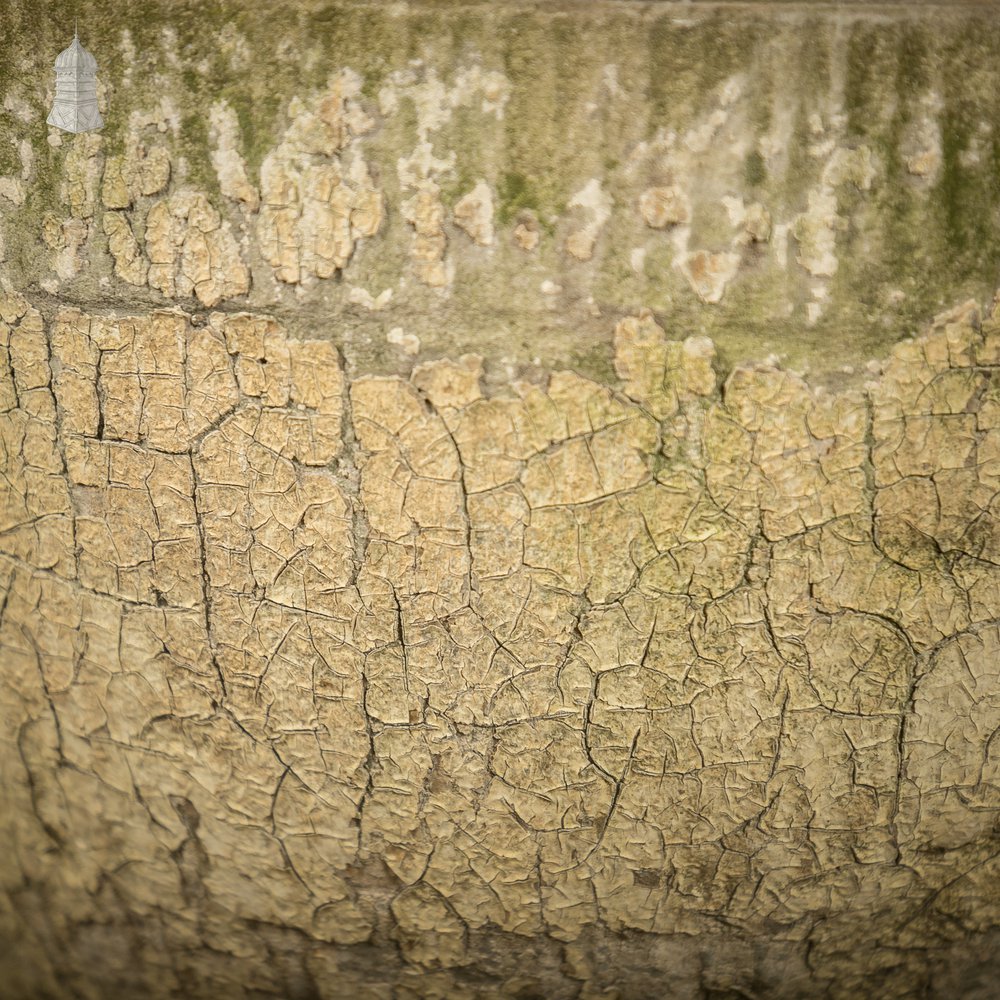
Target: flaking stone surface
[{"x": 396, "y": 687}]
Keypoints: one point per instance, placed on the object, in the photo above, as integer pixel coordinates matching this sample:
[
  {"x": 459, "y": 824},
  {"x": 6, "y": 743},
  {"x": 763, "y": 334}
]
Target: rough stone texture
[
  {"x": 130, "y": 262},
  {"x": 802, "y": 180},
  {"x": 226, "y": 159},
  {"x": 192, "y": 251},
  {"x": 317, "y": 195},
  {"x": 427, "y": 566},
  {"x": 138, "y": 172},
  {"x": 397, "y": 687},
  {"x": 474, "y": 214}
]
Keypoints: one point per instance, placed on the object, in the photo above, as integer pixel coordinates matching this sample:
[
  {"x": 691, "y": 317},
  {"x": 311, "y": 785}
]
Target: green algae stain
[
  {"x": 754, "y": 169},
  {"x": 687, "y": 62},
  {"x": 10, "y": 160},
  {"x": 516, "y": 195},
  {"x": 907, "y": 247},
  {"x": 593, "y": 361}
]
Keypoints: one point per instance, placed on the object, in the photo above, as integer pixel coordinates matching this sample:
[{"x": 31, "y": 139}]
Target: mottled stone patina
[{"x": 486, "y": 508}]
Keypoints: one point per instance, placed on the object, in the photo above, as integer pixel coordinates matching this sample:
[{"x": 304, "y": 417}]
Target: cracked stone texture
[
  {"x": 191, "y": 251},
  {"x": 412, "y": 583},
  {"x": 316, "y": 193},
  {"x": 317, "y": 686}
]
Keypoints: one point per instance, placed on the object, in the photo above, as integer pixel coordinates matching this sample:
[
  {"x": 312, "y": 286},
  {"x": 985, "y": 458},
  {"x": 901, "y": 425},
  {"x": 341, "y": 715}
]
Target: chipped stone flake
[
  {"x": 317, "y": 197},
  {"x": 664, "y": 206},
  {"x": 78, "y": 188},
  {"x": 596, "y": 205},
  {"x": 192, "y": 251},
  {"x": 409, "y": 343},
  {"x": 425, "y": 212},
  {"x": 816, "y": 233},
  {"x": 526, "y": 233},
  {"x": 226, "y": 159},
  {"x": 708, "y": 273},
  {"x": 130, "y": 262},
  {"x": 474, "y": 214}
]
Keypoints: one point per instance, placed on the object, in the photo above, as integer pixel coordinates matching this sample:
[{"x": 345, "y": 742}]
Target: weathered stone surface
[
  {"x": 192, "y": 251},
  {"x": 663, "y": 206},
  {"x": 141, "y": 171},
  {"x": 766, "y": 177},
  {"x": 555, "y": 670},
  {"x": 332, "y": 666},
  {"x": 229, "y": 164},
  {"x": 130, "y": 262},
  {"x": 474, "y": 214},
  {"x": 317, "y": 197}
]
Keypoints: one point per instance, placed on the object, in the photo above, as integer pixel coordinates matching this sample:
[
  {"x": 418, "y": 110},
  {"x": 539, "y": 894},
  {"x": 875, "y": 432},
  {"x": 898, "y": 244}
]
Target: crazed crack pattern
[{"x": 392, "y": 688}]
